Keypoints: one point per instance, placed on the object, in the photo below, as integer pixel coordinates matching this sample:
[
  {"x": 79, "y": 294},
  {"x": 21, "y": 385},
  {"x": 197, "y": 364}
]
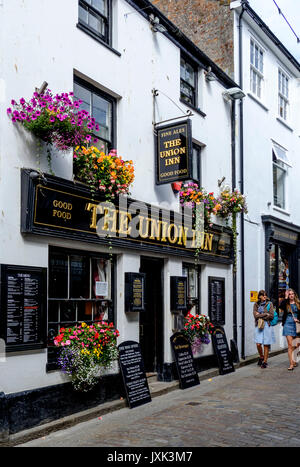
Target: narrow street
[{"x": 250, "y": 407}]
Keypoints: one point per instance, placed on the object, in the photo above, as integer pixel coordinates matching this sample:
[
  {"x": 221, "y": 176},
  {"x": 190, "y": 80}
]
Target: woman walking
[
  {"x": 263, "y": 313},
  {"x": 291, "y": 314}
]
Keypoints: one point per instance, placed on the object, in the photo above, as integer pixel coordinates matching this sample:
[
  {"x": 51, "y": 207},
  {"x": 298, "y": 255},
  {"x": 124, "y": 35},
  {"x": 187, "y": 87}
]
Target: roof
[{"x": 145, "y": 8}]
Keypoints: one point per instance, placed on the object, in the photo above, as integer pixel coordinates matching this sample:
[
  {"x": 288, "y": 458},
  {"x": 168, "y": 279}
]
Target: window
[
  {"x": 256, "y": 68},
  {"x": 102, "y": 107},
  {"x": 280, "y": 166},
  {"x": 188, "y": 82},
  {"x": 279, "y": 272},
  {"x": 196, "y": 164},
  {"x": 192, "y": 273},
  {"x": 80, "y": 290},
  {"x": 94, "y": 17},
  {"x": 283, "y": 95}
]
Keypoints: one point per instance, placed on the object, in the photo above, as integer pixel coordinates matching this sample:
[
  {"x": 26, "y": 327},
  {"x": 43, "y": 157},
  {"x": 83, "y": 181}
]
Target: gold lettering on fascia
[
  {"x": 118, "y": 222},
  {"x": 62, "y": 209}
]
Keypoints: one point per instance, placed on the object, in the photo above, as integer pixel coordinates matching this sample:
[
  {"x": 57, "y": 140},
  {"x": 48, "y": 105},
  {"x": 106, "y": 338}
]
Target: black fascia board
[{"x": 175, "y": 35}]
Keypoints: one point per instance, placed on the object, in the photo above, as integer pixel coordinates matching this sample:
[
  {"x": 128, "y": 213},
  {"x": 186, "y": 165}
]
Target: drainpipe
[
  {"x": 233, "y": 185},
  {"x": 242, "y": 232}
]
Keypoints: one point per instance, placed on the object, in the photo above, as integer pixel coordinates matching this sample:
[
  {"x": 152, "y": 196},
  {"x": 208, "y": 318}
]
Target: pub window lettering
[
  {"x": 80, "y": 290},
  {"x": 94, "y": 18},
  {"x": 101, "y": 107}
]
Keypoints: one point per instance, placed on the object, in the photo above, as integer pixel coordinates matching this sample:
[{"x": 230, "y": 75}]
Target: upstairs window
[
  {"x": 188, "y": 82},
  {"x": 94, "y": 17},
  {"x": 280, "y": 167},
  {"x": 256, "y": 68},
  {"x": 100, "y": 106},
  {"x": 283, "y": 95}
]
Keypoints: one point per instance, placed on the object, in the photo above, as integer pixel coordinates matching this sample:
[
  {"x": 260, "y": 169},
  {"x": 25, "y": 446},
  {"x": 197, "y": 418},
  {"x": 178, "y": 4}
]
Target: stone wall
[{"x": 208, "y": 23}]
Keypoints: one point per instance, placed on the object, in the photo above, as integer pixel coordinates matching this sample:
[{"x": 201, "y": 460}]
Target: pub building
[{"x": 69, "y": 256}]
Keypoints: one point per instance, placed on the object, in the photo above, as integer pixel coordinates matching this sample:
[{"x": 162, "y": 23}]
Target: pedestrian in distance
[
  {"x": 291, "y": 314},
  {"x": 264, "y": 336}
]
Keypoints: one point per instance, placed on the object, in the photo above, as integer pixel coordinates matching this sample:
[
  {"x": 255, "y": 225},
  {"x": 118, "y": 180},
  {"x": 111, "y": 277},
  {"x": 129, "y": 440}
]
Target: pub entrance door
[{"x": 151, "y": 320}]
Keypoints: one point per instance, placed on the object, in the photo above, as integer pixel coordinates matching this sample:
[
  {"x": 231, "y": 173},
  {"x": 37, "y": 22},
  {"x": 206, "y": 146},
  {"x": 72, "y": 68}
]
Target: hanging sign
[
  {"x": 178, "y": 293},
  {"x": 174, "y": 152}
]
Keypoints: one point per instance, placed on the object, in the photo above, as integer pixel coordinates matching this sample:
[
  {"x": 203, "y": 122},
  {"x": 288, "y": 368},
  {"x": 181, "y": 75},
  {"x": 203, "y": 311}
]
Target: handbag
[
  {"x": 297, "y": 324},
  {"x": 275, "y": 318},
  {"x": 261, "y": 323}
]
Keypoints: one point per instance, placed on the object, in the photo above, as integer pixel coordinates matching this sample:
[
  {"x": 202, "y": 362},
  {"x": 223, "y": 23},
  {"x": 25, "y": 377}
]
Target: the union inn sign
[{"x": 56, "y": 207}]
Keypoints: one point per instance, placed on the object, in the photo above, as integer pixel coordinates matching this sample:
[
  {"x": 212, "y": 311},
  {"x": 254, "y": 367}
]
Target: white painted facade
[
  {"x": 40, "y": 42},
  {"x": 263, "y": 126}
]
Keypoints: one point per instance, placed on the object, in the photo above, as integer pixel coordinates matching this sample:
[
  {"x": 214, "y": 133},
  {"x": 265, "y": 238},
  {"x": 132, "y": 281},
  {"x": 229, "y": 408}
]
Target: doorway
[{"x": 151, "y": 320}]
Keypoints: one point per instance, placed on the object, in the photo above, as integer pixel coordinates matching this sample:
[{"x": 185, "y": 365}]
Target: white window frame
[
  {"x": 256, "y": 68},
  {"x": 280, "y": 162},
  {"x": 283, "y": 94}
]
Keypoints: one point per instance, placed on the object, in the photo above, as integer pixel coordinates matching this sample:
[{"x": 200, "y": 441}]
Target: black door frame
[{"x": 158, "y": 313}]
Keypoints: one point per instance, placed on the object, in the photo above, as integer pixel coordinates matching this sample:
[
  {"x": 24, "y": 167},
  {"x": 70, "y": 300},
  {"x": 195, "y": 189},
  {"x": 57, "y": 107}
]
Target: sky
[{"x": 268, "y": 12}]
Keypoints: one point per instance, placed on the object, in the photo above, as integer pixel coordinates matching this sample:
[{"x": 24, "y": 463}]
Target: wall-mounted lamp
[
  {"x": 209, "y": 75},
  {"x": 233, "y": 94},
  {"x": 221, "y": 181},
  {"x": 155, "y": 25}
]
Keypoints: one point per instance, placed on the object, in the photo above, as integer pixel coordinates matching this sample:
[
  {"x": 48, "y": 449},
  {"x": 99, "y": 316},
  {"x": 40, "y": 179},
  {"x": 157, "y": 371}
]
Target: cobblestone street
[{"x": 250, "y": 407}]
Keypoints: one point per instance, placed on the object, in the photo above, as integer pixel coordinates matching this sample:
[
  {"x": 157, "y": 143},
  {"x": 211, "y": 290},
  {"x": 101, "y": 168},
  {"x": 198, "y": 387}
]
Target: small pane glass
[
  {"x": 58, "y": 276},
  {"x": 53, "y": 316},
  {"x": 79, "y": 277},
  {"x": 102, "y": 113},
  {"x": 67, "y": 311},
  {"x": 84, "y": 311}
]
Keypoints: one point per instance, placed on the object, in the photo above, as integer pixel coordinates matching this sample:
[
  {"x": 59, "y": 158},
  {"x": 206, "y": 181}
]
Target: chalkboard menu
[
  {"x": 134, "y": 291},
  {"x": 23, "y": 307},
  {"x": 178, "y": 293},
  {"x": 133, "y": 372},
  {"x": 184, "y": 360},
  {"x": 216, "y": 299},
  {"x": 222, "y": 351}
]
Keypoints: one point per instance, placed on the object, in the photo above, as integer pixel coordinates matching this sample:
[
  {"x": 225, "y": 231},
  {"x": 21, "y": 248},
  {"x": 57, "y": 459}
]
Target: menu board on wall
[
  {"x": 134, "y": 291},
  {"x": 178, "y": 293},
  {"x": 216, "y": 299},
  {"x": 23, "y": 307}
]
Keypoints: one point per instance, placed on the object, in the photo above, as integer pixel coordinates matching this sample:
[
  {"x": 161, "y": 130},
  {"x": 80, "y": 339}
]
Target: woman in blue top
[
  {"x": 263, "y": 338},
  {"x": 291, "y": 314}
]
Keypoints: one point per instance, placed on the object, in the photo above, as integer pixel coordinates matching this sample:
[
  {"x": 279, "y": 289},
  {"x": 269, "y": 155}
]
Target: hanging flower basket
[
  {"x": 231, "y": 203},
  {"x": 85, "y": 351},
  {"x": 55, "y": 119},
  {"x": 197, "y": 328},
  {"x": 192, "y": 195},
  {"x": 108, "y": 173}
]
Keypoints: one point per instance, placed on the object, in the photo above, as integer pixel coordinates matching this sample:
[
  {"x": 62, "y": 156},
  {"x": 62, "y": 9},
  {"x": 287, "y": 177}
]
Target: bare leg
[{"x": 290, "y": 350}]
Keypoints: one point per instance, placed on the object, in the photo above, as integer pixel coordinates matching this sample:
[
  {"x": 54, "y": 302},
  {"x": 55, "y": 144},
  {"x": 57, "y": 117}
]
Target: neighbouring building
[
  {"x": 140, "y": 78},
  {"x": 236, "y": 38}
]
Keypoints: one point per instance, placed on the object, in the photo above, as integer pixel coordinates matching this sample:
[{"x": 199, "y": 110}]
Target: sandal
[
  {"x": 290, "y": 368},
  {"x": 260, "y": 360},
  {"x": 295, "y": 364}
]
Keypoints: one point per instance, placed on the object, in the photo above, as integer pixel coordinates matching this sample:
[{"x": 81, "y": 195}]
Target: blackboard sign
[
  {"x": 23, "y": 307},
  {"x": 187, "y": 374},
  {"x": 134, "y": 291},
  {"x": 174, "y": 152},
  {"x": 216, "y": 300},
  {"x": 222, "y": 351},
  {"x": 178, "y": 293},
  {"x": 133, "y": 372}
]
